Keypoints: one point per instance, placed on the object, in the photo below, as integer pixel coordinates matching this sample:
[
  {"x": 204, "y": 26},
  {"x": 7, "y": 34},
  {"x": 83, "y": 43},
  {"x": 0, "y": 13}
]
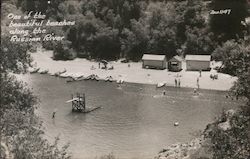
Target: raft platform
[
  {"x": 87, "y": 110},
  {"x": 79, "y": 104}
]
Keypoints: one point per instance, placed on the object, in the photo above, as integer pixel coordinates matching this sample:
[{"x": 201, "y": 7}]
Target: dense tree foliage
[
  {"x": 234, "y": 141},
  {"x": 228, "y": 26},
  {"x": 112, "y": 29},
  {"x": 20, "y": 129}
]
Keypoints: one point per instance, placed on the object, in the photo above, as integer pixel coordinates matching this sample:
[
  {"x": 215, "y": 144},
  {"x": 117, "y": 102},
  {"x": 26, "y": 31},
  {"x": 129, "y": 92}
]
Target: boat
[
  {"x": 80, "y": 78},
  {"x": 70, "y": 80},
  {"x": 109, "y": 79},
  {"x": 60, "y": 72},
  {"x": 34, "y": 70},
  {"x": 64, "y": 75},
  {"x": 159, "y": 85},
  {"x": 52, "y": 74},
  {"x": 120, "y": 81},
  {"x": 89, "y": 77},
  {"x": 95, "y": 77},
  {"x": 92, "y": 77},
  {"x": 44, "y": 72}
]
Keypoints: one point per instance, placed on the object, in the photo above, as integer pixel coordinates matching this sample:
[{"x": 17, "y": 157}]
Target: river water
[{"x": 135, "y": 121}]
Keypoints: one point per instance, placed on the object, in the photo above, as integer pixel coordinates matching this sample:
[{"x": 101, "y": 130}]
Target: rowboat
[{"x": 160, "y": 85}]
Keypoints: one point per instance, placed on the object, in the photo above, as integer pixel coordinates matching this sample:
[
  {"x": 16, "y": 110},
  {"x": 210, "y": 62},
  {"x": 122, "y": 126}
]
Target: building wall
[
  {"x": 198, "y": 65},
  {"x": 154, "y": 64}
]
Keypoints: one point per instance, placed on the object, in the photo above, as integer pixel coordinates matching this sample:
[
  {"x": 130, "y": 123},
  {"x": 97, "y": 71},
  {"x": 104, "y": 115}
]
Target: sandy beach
[{"x": 134, "y": 74}]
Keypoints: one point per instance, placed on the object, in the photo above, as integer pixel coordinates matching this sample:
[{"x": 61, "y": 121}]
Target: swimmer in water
[
  {"x": 164, "y": 92},
  {"x": 195, "y": 91},
  {"x": 53, "y": 114}
]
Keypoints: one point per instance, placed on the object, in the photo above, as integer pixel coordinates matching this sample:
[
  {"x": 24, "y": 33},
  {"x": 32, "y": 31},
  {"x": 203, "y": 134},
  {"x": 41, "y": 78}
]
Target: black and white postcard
[{"x": 125, "y": 79}]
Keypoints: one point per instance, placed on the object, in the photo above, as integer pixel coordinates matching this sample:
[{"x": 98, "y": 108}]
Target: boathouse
[
  {"x": 198, "y": 62},
  {"x": 175, "y": 64},
  {"x": 154, "y": 61}
]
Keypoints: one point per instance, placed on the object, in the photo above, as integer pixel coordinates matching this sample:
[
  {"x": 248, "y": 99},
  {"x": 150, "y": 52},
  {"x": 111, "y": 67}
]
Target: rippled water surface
[{"x": 135, "y": 121}]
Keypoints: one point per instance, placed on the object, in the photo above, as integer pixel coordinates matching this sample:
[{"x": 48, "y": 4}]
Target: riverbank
[
  {"x": 130, "y": 72},
  {"x": 199, "y": 147}
]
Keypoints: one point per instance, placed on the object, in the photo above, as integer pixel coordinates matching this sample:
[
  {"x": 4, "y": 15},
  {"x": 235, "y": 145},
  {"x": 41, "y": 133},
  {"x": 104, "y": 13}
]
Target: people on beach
[
  {"x": 92, "y": 67},
  {"x": 200, "y": 73},
  {"x": 179, "y": 82},
  {"x": 175, "y": 80},
  {"x": 198, "y": 83},
  {"x": 99, "y": 65},
  {"x": 111, "y": 68}
]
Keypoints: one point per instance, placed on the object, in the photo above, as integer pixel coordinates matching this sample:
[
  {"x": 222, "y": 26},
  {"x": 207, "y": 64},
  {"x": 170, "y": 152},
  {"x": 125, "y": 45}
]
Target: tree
[
  {"x": 233, "y": 141},
  {"x": 235, "y": 57},
  {"x": 228, "y": 26},
  {"x": 162, "y": 28},
  {"x": 135, "y": 41},
  {"x": 52, "y": 9},
  {"x": 20, "y": 128},
  {"x": 13, "y": 57},
  {"x": 62, "y": 51},
  {"x": 199, "y": 41},
  {"x": 241, "y": 87},
  {"x": 106, "y": 44},
  {"x": 229, "y": 135}
]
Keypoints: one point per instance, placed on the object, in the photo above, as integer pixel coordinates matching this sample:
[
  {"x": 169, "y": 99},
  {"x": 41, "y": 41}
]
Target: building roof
[
  {"x": 153, "y": 57},
  {"x": 176, "y": 58},
  {"x": 198, "y": 57}
]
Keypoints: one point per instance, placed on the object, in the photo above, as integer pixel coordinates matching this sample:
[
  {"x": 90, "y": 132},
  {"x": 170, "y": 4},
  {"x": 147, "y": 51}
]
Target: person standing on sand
[
  {"x": 198, "y": 83},
  {"x": 179, "y": 82},
  {"x": 175, "y": 80},
  {"x": 200, "y": 73}
]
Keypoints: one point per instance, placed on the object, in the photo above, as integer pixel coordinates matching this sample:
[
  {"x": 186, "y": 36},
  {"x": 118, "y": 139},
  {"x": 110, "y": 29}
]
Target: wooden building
[
  {"x": 154, "y": 61},
  {"x": 175, "y": 64},
  {"x": 198, "y": 62}
]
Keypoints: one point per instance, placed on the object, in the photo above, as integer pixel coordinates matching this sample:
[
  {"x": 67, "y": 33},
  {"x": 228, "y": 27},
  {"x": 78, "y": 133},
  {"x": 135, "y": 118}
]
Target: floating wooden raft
[
  {"x": 87, "y": 110},
  {"x": 79, "y": 104}
]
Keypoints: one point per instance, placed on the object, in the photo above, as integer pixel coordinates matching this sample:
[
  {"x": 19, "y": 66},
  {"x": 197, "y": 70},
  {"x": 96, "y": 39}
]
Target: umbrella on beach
[{"x": 104, "y": 61}]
